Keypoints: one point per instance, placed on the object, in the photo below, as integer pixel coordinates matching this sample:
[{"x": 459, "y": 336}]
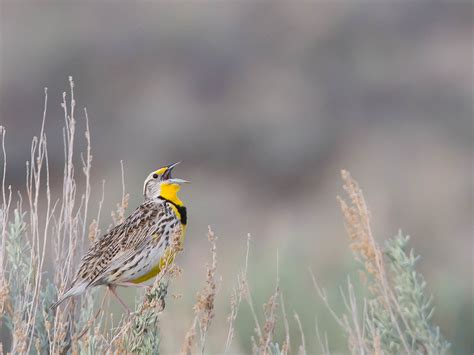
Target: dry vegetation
[{"x": 393, "y": 318}]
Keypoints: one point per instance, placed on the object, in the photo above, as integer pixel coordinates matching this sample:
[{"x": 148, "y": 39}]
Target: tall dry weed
[
  {"x": 396, "y": 317},
  {"x": 204, "y": 307}
]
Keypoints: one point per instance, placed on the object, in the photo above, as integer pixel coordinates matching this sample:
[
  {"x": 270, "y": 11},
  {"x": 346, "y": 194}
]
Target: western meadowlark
[{"x": 136, "y": 250}]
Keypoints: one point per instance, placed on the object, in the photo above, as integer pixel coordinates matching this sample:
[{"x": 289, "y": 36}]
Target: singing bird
[{"x": 137, "y": 249}]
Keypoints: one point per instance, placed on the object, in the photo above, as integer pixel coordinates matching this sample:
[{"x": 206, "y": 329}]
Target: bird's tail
[
  {"x": 57, "y": 303},
  {"x": 73, "y": 291}
]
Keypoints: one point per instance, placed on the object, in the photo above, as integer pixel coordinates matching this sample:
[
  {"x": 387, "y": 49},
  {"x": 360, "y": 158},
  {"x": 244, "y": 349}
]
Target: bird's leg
[
  {"x": 114, "y": 292},
  {"x": 87, "y": 327}
]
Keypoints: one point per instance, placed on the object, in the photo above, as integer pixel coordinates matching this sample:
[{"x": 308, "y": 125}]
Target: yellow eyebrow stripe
[{"x": 160, "y": 171}]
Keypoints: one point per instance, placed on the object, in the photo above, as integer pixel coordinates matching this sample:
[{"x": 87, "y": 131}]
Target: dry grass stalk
[
  {"x": 86, "y": 169},
  {"x": 377, "y": 346},
  {"x": 357, "y": 222},
  {"x": 395, "y": 318},
  {"x": 4, "y": 294},
  {"x": 204, "y": 307},
  {"x": 68, "y": 225},
  {"x": 362, "y": 243},
  {"x": 38, "y": 163},
  {"x": 4, "y": 211},
  {"x": 32, "y": 292},
  {"x": 118, "y": 216},
  {"x": 187, "y": 347},
  {"x": 236, "y": 299},
  {"x": 20, "y": 335},
  {"x": 342, "y": 322},
  {"x": 247, "y": 295},
  {"x": 269, "y": 309},
  {"x": 93, "y": 231},
  {"x": 324, "y": 345},
  {"x": 285, "y": 348},
  {"x": 262, "y": 343},
  {"x": 302, "y": 348}
]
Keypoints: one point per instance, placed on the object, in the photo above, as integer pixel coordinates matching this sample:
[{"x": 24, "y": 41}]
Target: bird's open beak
[
  {"x": 174, "y": 180},
  {"x": 179, "y": 181},
  {"x": 171, "y": 166}
]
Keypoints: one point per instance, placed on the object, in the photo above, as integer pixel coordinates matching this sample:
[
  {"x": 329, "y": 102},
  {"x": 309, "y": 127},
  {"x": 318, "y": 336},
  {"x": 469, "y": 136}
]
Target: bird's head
[{"x": 160, "y": 183}]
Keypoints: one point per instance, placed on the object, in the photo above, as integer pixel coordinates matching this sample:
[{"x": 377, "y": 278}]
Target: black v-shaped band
[{"x": 183, "y": 216}]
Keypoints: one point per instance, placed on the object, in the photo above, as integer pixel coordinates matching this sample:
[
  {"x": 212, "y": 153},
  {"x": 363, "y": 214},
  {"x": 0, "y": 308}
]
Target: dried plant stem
[
  {"x": 236, "y": 299},
  {"x": 204, "y": 307},
  {"x": 118, "y": 216},
  {"x": 4, "y": 214},
  {"x": 363, "y": 244},
  {"x": 265, "y": 341},
  {"x": 86, "y": 169},
  {"x": 285, "y": 349},
  {"x": 323, "y": 344},
  {"x": 302, "y": 349},
  {"x": 41, "y": 157},
  {"x": 248, "y": 295}
]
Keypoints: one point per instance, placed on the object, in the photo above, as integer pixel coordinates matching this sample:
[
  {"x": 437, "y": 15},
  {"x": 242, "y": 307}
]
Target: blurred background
[{"x": 265, "y": 104}]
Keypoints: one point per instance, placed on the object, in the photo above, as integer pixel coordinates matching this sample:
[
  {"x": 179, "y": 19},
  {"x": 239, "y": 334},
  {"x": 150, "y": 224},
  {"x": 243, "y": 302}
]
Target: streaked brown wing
[
  {"x": 128, "y": 235},
  {"x": 130, "y": 258}
]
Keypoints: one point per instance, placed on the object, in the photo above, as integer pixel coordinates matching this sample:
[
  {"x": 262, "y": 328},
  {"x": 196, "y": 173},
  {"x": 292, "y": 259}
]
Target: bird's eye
[{"x": 155, "y": 176}]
